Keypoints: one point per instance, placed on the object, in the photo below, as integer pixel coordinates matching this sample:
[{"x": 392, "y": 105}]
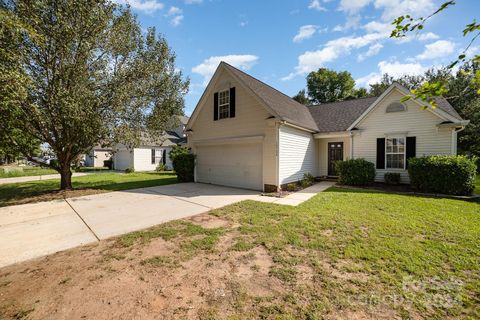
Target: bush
[
  {"x": 184, "y": 164},
  {"x": 307, "y": 180},
  {"x": 355, "y": 172},
  {"x": 392, "y": 178},
  {"x": 291, "y": 186},
  {"x": 178, "y": 150},
  {"x": 443, "y": 174},
  {"x": 130, "y": 170},
  {"x": 108, "y": 164},
  {"x": 161, "y": 167}
]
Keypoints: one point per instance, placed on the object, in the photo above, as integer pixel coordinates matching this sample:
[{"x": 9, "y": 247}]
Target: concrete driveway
[{"x": 33, "y": 230}]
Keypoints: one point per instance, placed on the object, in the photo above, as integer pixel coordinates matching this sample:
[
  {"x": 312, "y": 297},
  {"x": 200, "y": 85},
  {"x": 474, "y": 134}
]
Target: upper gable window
[
  {"x": 396, "y": 107},
  {"x": 224, "y": 104}
]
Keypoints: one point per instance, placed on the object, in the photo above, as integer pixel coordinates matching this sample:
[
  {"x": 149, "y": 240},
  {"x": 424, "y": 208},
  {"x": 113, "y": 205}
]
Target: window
[
  {"x": 396, "y": 107},
  {"x": 224, "y": 104},
  {"x": 395, "y": 153},
  {"x": 156, "y": 156}
]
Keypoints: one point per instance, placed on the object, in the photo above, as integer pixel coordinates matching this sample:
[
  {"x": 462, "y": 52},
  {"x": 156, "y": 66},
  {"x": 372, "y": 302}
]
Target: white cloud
[
  {"x": 305, "y": 32},
  {"x": 312, "y": 60},
  {"x": 193, "y": 1},
  {"x": 375, "y": 26},
  {"x": 316, "y": 5},
  {"x": 147, "y": 6},
  {"x": 208, "y": 66},
  {"x": 243, "y": 23},
  {"x": 352, "y": 22},
  {"x": 437, "y": 49},
  {"x": 428, "y": 36},
  {"x": 393, "y": 9},
  {"x": 173, "y": 11},
  {"x": 372, "y": 51},
  {"x": 176, "y": 20},
  {"x": 395, "y": 69},
  {"x": 353, "y": 6}
]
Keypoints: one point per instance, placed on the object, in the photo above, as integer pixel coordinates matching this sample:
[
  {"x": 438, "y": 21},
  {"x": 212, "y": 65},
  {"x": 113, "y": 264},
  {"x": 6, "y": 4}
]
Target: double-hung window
[
  {"x": 395, "y": 153},
  {"x": 224, "y": 104}
]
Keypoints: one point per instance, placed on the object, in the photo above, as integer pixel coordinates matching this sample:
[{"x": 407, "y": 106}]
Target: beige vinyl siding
[
  {"x": 142, "y": 160},
  {"x": 100, "y": 157},
  {"x": 322, "y": 152},
  {"x": 430, "y": 140},
  {"x": 251, "y": 120},
  {"x": 296, "y": 154}
]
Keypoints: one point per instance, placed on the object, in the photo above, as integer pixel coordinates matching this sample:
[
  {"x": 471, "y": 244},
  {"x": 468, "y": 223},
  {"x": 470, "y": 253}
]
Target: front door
[{"x": 335, "y": 153}]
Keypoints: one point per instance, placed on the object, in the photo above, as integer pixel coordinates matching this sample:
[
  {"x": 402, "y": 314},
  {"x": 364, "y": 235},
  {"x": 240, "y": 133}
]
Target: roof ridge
[
  {"x": 266, "y": 84},
  {"x": 338, "y": 102}
]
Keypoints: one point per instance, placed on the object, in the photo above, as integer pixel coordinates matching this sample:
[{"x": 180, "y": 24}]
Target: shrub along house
[{"x": 247, "y": 134}]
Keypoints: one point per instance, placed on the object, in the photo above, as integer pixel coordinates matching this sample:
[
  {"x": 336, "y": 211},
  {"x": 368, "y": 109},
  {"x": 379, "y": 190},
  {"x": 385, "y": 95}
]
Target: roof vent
[{"x": 396, "y": 107}]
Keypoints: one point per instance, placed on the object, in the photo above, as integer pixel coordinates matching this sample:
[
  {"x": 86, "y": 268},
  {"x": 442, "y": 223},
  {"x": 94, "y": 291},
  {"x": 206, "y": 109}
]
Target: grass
[
  {"x": 43, "y": 190},
  {"x": 376, "y": 244},
  {"x": 26, "y": 171}
]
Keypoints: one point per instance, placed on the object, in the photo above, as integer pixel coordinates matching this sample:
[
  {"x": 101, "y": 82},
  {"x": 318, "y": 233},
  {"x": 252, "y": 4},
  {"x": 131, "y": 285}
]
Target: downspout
[
  {"x": 455, "y": 139},
  {"x": 351, "y": 145}
]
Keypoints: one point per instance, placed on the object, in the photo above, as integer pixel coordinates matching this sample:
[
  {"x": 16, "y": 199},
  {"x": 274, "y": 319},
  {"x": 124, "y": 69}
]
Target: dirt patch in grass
[
  {"x": 52, "y": 195},
  {"x": 251, "y": 260}
]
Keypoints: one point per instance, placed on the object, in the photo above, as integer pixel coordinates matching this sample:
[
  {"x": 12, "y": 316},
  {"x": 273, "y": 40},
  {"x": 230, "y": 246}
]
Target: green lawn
[
  {"x": 27, "y": 171},
  {"x": 365, "y": 255},
  {"x": 16, "y": 193}
]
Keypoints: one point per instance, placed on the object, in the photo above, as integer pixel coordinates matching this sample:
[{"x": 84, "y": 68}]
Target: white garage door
[{"x": 235, "y": 165}]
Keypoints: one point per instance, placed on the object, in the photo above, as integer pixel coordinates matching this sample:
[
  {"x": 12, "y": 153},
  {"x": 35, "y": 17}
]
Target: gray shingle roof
[
  {"x": 285, "y": 107},
  {"x": 327, "y": 117},
  {"x": 338, "y": 116}
]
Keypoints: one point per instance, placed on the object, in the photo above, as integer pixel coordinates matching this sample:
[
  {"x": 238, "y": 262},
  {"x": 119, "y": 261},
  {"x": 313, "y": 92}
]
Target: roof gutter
[
  {"x": 286, "y": 123},
  {"x": 459, "y": 124}
]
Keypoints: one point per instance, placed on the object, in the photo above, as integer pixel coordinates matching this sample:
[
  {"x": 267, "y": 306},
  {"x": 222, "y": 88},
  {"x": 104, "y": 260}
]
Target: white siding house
[{"x": 247, "y": 134}]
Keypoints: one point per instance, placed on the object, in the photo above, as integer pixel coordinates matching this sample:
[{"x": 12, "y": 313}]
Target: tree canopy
[
  {"x": 326, "y": 85},
  {"x": 85, "y": 74}
]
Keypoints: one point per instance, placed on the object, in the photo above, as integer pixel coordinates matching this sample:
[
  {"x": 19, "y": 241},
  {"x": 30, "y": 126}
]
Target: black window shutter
[
  {"x": 232, "y": 102},
  {"x": 215, "y": 106},
  {"x": 411, "y": 151},
  {"x": 164, "y": 156},
  {"x": 380, "y": 153},
  {"x": 153, "y": 156}
]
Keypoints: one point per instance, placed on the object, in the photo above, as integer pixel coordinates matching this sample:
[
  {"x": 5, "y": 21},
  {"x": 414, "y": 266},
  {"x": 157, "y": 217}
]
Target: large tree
[
  {"x": 89, "y": 76},
  {"x": 325, "y": 85}
]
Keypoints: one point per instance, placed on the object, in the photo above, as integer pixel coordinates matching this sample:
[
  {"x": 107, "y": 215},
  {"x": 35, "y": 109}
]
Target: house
[
  {"x": 151, "y": 151},
  {"x": 97, "y": 156},
  {"x": 247, "y": 134}
]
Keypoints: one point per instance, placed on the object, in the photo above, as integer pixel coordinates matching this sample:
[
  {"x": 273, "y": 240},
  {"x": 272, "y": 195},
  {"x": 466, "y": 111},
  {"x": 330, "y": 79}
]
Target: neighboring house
[
  {"x": 151, "y": 152},
  {"x": 247, "y": 134},
  {"x": 97, "y": 156}
]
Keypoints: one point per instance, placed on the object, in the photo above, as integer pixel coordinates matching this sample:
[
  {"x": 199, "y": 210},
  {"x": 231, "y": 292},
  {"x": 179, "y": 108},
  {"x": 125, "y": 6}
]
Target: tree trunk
[{"x": 65, "y": 178}]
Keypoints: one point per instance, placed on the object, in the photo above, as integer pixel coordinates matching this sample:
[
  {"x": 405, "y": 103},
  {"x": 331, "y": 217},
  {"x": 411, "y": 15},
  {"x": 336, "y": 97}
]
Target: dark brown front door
[{"x": 335, "y": 153}]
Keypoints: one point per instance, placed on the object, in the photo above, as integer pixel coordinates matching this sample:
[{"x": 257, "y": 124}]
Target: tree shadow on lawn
[{"x": 35, "y": 191}]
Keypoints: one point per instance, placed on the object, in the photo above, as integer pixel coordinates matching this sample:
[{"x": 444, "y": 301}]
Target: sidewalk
[{"x": 36, "y": 178}]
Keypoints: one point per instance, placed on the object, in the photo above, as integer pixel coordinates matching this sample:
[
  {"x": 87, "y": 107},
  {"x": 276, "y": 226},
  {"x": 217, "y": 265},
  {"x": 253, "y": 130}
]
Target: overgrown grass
[
  {"x": 376, "y": 244},
  {"x": 32, "y": 191},
  {"x": 26, "y": 171},
  {"x": 477, "y": 185}
]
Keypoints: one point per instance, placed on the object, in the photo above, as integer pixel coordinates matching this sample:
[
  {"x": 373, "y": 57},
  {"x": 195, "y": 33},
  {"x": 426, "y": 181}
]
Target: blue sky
[{"x": 280, "y": 41}]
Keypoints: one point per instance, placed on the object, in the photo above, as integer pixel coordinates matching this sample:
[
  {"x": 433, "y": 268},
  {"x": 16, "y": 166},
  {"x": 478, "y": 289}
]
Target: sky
[{"x": 281, "y": 41}]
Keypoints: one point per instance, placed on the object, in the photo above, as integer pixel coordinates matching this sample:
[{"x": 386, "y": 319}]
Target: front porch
[{"x": 331, "y": 147}]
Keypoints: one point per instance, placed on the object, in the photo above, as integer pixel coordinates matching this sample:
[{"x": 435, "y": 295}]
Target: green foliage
[
  {"x": 177, "y": 150},
  {"x": 355, "y": 172},
  {"x": 327, "y": 85},
  {"x": 307, "y": 180},
  {"x": 130, "y": 170},
  {"x": 161, "y": 167},
  {"x": 392, "y": 178},
  {"x": 429, "y": 90},
  {"x": 292, "y": 187},
  {"x": 184, "y": 165},
  {"x": 443, "y": 174},
  {"x": 85, "y": 74},
  {"x": 301, "y": 97}
]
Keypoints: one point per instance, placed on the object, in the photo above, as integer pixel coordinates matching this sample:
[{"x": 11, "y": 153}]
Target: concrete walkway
[
  {"x": 36, "y": 178},
  {"x": 33, "y": 230}
]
